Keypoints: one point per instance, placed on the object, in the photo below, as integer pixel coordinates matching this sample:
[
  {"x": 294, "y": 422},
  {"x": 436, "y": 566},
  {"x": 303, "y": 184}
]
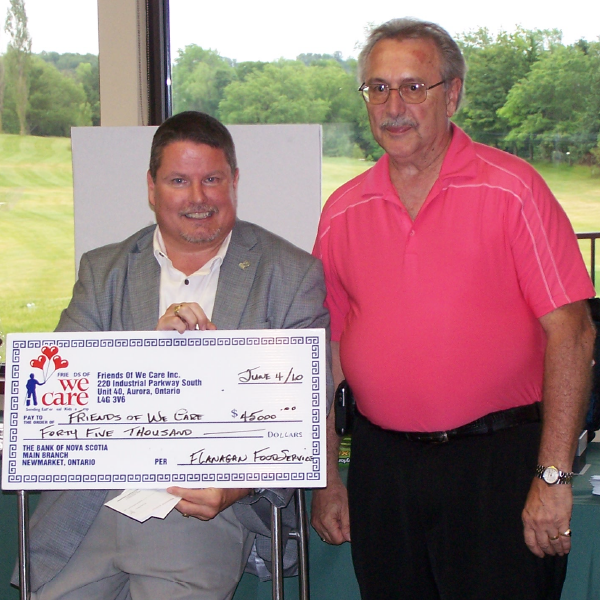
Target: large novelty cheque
[{"x": 154, "y": 409}]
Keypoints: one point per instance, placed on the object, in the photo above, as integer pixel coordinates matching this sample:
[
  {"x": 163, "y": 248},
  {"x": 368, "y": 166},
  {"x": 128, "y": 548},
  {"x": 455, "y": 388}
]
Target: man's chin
[
  {"x": 205, "y": 237},
  {"x": 398, "y": 148}
]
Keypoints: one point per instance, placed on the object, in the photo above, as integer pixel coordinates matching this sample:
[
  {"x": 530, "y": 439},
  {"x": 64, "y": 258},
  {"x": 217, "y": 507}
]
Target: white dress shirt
[{"x": 176, "y": 287}]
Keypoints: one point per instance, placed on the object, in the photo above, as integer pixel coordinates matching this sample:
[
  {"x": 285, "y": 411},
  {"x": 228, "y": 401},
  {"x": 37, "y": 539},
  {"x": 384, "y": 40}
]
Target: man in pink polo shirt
[{"x": 457, "y": 296}]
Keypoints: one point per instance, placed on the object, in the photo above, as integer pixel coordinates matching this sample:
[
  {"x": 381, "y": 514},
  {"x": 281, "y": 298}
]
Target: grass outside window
[{"x": 36, "y": 222}]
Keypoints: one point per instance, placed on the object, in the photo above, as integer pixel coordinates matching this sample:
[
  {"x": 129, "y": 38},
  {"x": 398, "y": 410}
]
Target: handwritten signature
[{"x": 264, "y": 455}]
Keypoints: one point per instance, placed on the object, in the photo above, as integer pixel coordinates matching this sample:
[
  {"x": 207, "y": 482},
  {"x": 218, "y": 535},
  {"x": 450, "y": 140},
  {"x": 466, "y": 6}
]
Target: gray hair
[{"x": 453, "y": 62}]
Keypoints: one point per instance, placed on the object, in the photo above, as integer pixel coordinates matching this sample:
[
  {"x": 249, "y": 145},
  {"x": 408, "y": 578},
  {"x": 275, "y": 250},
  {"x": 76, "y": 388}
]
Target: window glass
[
  {"x": 532, "y": 85},
  {"x": 48, "y": 83}
]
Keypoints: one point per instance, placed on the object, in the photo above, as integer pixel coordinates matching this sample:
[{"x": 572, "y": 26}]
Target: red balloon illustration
[
  {"x": 38, "y": 363},
  {"x": 49, "y": 351},
  {"x": 60, "y": 363}
]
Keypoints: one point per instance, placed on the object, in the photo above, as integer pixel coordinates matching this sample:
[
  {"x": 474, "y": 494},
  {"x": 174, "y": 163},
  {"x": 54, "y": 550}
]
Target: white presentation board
[{"x": 279, "y": 188}]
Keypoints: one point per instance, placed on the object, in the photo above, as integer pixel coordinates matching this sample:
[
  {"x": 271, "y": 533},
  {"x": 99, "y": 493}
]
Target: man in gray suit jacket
[{"x": 200, "y": 268}]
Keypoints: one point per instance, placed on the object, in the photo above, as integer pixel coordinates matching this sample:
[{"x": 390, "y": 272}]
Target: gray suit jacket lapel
[
  {"x": 236, "y": 278},
  {"x": 143, "y": 287}
]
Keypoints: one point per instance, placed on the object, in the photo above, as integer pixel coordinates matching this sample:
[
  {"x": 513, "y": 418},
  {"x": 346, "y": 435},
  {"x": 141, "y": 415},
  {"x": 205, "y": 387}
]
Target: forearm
[
  {"x": 567, "y": 385},
  {"x": 333, "y": 451},
  {"x": 333, "y": 439},
  {"x": 567, "y": 378},
  {"x": 330, "y": 505}
]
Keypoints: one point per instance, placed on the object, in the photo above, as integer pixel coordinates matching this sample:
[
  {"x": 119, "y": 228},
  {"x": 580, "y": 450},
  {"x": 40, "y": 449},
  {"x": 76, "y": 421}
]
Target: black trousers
[{"x": 443, "y": 522}]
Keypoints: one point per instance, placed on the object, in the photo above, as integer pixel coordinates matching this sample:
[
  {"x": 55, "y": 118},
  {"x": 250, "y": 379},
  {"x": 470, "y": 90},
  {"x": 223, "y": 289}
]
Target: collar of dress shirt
[
  {"x": 176, "y": 287},
  {"x": 160, "y": 253}
]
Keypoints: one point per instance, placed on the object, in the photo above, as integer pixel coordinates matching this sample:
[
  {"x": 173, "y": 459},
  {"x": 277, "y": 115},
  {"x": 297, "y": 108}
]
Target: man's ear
[
  {"x": 452, "y": 94},
  {"x": 150, "y": 182}
]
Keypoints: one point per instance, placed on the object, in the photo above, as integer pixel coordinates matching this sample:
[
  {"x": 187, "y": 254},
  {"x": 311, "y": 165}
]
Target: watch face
[{"x": 550, "y": 475}]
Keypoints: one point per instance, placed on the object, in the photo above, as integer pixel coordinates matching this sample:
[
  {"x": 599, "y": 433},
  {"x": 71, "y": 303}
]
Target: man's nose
[
  {"x": 395, "y": 104},
  {"x": 197, "y": 190}
]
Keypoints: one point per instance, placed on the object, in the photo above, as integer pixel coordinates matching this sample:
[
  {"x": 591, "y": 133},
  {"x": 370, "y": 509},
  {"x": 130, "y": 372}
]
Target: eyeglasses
[{"x": 411, "y": 93}]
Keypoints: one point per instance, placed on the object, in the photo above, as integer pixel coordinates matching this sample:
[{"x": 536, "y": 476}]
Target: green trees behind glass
[
  {"x": 529, "y": 94},
  {"x": 312, "y": 89},
  {"x": 16, "y": 62},
  {"x": 61, "y": 94},
  {"x": 44, "y": 94},
  {"x": 526, "y": 93}
]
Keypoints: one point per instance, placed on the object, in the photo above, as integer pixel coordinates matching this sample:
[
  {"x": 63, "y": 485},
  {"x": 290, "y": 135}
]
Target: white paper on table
[{"x": 143, "y": 504}]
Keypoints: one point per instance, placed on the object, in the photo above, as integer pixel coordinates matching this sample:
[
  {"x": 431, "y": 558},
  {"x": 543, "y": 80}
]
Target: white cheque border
[{"x": 314, "y": 341}]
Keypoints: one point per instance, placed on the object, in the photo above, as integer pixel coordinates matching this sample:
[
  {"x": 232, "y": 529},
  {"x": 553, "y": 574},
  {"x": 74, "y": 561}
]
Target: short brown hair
[{"x": 191, "y": 126}]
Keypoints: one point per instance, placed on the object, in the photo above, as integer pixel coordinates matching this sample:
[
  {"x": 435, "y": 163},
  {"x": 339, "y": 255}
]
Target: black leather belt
[{"x": 503, "y": 419}]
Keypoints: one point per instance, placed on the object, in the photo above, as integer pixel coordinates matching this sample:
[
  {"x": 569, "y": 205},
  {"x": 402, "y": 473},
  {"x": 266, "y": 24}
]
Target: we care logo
[{"x": 65, "y": 391}]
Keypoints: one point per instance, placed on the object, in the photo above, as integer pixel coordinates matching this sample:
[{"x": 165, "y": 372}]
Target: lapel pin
[{"x": 244, "y": 265}]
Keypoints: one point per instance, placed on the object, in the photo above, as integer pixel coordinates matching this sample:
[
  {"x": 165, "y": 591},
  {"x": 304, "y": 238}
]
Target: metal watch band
[{"x": 553, "y": 476}]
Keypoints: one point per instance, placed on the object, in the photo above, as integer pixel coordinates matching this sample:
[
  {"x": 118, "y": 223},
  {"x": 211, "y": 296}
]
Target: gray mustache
[{"x": 401, "y": 122}]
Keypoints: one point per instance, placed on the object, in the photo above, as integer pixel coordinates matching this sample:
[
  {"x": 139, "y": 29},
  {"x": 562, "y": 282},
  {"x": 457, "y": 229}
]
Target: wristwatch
[{"x": 552, "y": 476}]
